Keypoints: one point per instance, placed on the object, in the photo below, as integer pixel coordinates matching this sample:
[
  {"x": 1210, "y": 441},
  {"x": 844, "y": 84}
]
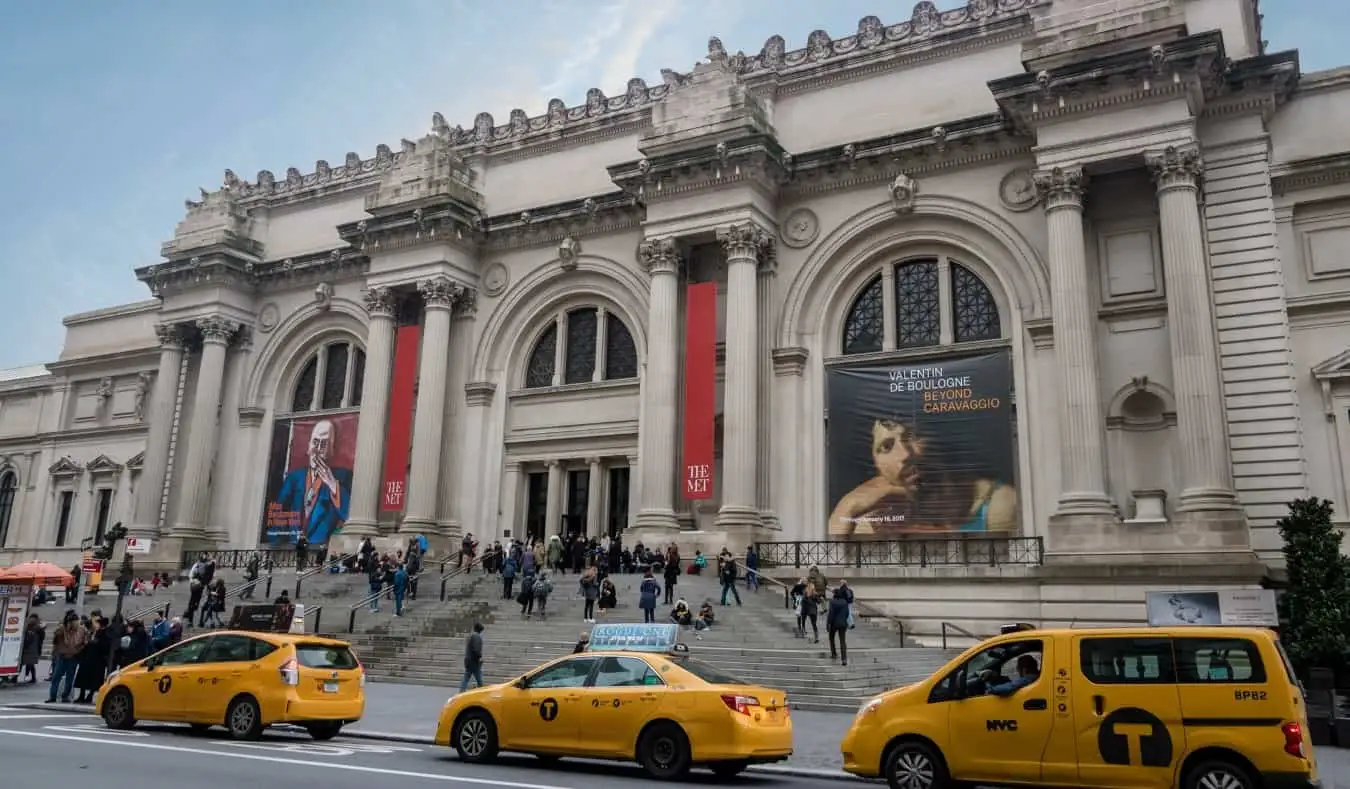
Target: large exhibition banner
[
  {"x": 402, "y": 403},
  {"x": 309, "y": 477},
  {"x": 700, "y": 390},
  {"x": 922, "y": 447}
]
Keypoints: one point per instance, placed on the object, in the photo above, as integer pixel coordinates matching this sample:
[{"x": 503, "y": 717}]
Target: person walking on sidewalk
[
  {"x": 375, "y": 576},
  {"x": 751, "y": 569},
  {"x": 590, "y": 592},
  {"x": 647, "y": 594},
  {"x": 251, "y": 575},
  {"x": 400, "y": 588},
  {"x": 508, "y": 576},
  {"x": 728, "y": 572},
  {"x": 67, "y": 643},
  {"x": 34, "y": 634},
  {"x": 836, "y": 624},
  {"x": 301, "y": 551},
  {"x": 543, "y": 587},
  {"x": 473, "y": 658}
]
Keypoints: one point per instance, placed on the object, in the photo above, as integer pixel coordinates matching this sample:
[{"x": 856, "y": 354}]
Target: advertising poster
[
  {"x": 402, "y": 403},
  {"x": 14, "y": 602},
  {"x": 922, "y": 448},
  {"x": 309, "y": 478},
  {"x": 700, "y": 390},
  {"x": 1231, "y": 607}
]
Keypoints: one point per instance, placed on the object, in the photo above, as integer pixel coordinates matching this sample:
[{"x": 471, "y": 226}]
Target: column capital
[
  {"x": 380, "y": 303},
  {"x": 170, "y": 335},
  {"x": 632, "y": 461},
  {"x": 440, "y": 292},
  {"x": 513, "y": 466},
  {"x": 1061, "y": 187},
  {"x": 552, "y": 464},
  {"x": 659, "y": 255},
  {"x": 592, "y": 461},
  {"x": 745, "y": 240},
  {"x": 1175, "y": 167},
  {"x": 243, "y": 340},
  {"x": 216, "y": 329}
]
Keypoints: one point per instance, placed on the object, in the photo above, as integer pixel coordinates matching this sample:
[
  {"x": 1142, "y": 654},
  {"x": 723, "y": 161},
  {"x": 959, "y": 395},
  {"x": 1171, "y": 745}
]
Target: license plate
[{"x": 330, "y": 687}]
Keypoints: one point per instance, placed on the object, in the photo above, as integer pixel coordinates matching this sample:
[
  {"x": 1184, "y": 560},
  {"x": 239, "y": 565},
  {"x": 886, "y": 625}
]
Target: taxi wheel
[
  {"x": 119, "y": 711},
  {"x": 324, "y": 730},
  {"x": 726, "y": 770},
  {"x": 243, "y": 719},
  {"x": 475, "y": 737},
  {"x": 1218, "y": 775},
  {"x": 663, "y": 751},
  {"x": 914, "y": 765}
]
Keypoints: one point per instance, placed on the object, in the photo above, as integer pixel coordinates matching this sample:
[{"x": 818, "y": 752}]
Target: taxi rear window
[
  {"x": 706, "y": 672},
  {"x": 325, "y": 656}
]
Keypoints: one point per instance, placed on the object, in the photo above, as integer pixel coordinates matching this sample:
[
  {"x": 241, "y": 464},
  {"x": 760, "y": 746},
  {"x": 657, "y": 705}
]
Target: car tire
[
  {"x": 912, "y": 764},
  {"x": 474, "y": 737},
  {"x": 1218, "y": 774},
  {"x": 199, "y": 728},
  {"x": 728, "y": 770},
  {"x": 119, "y": 709},
  {"x": 663, "y": 751},
  {"x": 324, "y": 730},
  {"x": 243, "y": 719}
]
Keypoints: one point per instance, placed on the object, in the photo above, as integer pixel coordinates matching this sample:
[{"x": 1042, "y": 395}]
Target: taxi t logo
[
  {"x": 1131, "y": 736},
  {"x": 548, "y": 709},
  {"x": 165, "y": 683},
  {"x": 1000, "y": 725}
]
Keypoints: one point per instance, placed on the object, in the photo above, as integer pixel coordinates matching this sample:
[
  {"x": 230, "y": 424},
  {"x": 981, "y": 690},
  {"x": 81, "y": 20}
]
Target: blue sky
[{"x": 116, "y": 112}]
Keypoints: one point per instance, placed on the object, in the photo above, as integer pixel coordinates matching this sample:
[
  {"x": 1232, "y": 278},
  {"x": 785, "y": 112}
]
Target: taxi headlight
[{"x": 870, "y": 706}]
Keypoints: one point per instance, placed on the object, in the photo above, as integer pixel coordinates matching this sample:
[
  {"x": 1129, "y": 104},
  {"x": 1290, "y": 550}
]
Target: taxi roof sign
[{"x": 635, "y": 638}]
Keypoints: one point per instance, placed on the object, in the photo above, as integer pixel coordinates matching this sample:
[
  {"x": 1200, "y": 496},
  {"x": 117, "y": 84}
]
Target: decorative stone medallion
[
  {"x": 268, "y": 317},
  {"x": 1017, "y": 190},
  {"x": 495, "y": 279},
  {"x": 800, "y": 228}
]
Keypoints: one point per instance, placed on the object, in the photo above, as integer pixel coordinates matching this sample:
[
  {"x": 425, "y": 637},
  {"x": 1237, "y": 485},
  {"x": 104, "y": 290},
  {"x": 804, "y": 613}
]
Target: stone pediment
[
  {"x": 103, "y": 465},
  {"x": 137, "y": 461},
  {"x": 66, "y": 467},
  {"x": 1335, "y": 368}
]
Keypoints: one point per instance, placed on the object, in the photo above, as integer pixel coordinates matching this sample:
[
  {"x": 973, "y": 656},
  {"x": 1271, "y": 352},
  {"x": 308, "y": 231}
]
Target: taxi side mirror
[
  {"x": 519, "y": 684},
  {"x": 150, "y": 664}
]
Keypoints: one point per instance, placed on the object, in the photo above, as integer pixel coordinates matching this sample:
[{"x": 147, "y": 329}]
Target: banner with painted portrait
[
  {"x": 922, "y": 447},
  {"x": 309, "y": 478}
]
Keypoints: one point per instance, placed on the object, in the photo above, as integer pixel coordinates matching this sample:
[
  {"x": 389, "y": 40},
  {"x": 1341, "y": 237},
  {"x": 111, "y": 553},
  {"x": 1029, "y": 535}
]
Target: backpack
[{"x": 542, "y": 587}]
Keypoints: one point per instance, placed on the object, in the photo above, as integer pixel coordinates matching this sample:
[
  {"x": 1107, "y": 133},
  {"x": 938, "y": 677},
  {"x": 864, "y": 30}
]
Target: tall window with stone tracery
[
  {"x": 928, "y": 294},
  {"x": 583, "y": 350},
  {"x": 9, "y": 488},
  {"x": 331, "y": 379}
]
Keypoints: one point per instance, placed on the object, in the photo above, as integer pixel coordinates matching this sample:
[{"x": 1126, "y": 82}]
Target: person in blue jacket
[{"x": 400, "y": 588}]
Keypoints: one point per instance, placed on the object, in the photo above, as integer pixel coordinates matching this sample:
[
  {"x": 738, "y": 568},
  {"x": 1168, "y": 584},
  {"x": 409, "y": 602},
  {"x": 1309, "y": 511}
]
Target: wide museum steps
[{"x": 755, "y": 641}]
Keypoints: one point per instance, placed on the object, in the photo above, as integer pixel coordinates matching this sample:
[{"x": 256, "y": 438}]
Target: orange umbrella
[{"x": 36, "y": 573}]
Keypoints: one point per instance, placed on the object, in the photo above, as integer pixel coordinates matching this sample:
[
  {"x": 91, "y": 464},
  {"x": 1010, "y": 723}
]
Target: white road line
[
  {"x": 279, "y": 760},
  {"x": 20, "y": 716}
]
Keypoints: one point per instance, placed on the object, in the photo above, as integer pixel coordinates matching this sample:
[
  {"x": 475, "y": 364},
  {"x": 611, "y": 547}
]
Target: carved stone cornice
[
  {"x": 1311, "y": 173},
  {"x": 216, "y": 329},
  {"x": 659, "y": 255},
  {"x": 1061, "y": 187},
  {"x": 170, "y": 336},
  {"x": 380, "y": 303},
  {"x": 789, "y": 361},
  {"x": 251, "y": 275},
  {"x": 552, "y": 224},
  {"x": 745, "y": 240},
  {"x": 66, "y": 468},
  {"x": 1175, "y": 167},
  {"x": 479, "y": 393},
  {"x": 756, "y": 160},
  {"x": 440, "y": 293}
]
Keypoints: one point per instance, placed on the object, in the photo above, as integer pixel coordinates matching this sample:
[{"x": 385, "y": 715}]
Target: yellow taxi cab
[
  {"x": 1188, "y": 707},
  {"x": 242, "y": 680},
  {"x": 634, "y": 695}
]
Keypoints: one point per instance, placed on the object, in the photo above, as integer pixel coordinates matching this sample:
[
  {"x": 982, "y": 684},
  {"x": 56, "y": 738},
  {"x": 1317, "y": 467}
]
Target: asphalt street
[{"x": 53, "y": 748}]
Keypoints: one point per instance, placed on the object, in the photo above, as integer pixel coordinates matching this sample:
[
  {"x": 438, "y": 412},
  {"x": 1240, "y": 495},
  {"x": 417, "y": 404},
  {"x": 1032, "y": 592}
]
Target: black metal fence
[
  {"x": 272, "y": 558},
  {"x": 909, "y": 552}
]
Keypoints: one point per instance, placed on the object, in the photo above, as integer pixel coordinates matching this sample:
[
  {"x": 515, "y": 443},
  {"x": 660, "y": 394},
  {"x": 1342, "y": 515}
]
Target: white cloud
[{"x": 646, "y": 19}]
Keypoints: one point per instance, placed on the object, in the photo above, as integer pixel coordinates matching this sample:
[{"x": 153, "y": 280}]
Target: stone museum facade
[{"x": 1082, "y": 264}]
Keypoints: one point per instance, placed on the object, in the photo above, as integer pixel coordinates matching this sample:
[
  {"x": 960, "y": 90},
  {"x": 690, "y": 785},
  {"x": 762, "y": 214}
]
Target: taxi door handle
[
  {"x": 1034, "y": 704},
  {"x": 1098, "y": 704}
]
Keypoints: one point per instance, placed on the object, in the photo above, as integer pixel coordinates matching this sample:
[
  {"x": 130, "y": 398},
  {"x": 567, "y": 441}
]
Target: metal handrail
[
  {"x": 365, "y": 601},
  {"x": 317, "y": 611},
  {"x": 460, "y": 570},
  {"x": 961, "y": 631},
  {"x": 787, "y": 600},
  {"x": 321, "y": 568},
  {"x": 165, "y": 606}
]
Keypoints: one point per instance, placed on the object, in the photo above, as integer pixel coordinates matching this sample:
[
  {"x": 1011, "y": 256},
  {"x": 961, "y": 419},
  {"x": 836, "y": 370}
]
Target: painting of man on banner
[{"x": 310, "y": 479}]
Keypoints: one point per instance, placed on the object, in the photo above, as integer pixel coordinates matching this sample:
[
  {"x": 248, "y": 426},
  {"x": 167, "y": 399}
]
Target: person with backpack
[
  {"x": 836, "y": 624},
  {"x": 413, "y": 565},
  {"x": 543, "y": 587},
  {"x": 508, "y": 576},
  {"x": 526, "y": 596}
]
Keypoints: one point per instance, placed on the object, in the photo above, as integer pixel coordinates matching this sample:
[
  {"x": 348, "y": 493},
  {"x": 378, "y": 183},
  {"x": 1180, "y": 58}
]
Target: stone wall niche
[{"x": 1141, "y": 439}]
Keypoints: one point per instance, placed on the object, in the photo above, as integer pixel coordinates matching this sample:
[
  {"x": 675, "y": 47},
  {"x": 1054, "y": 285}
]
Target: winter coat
[
  {"x": 647, "y": 594},
  {"x": 837, "y": 616},
  {"x": 590, "y": 588},
  {"x": 94, "y": 662},
  {"x": 33, "y": 638}
]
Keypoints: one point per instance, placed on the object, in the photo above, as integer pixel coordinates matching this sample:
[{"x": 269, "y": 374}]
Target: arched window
[
  {"x": 332, "y": 378},
  {"x": 935, "y": 301},
  {"x": 581, "y": 345},
  {"x": 9, "y": 487}
]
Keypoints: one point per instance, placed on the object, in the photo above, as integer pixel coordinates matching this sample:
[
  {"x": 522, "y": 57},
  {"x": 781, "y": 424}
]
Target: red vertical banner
[
  {"x": 700, "y": 393},
  {"x": 402, "y": 400}
]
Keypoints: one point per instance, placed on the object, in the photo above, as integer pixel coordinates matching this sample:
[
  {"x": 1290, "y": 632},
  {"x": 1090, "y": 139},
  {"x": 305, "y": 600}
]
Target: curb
[{"x": 57, "y": 706}]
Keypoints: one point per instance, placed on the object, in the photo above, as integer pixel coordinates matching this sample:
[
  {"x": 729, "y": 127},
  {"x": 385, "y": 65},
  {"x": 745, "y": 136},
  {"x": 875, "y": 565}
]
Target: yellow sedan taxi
[
  {"x": 634, "y": 695},
  {"x": 242, "y": 680}
]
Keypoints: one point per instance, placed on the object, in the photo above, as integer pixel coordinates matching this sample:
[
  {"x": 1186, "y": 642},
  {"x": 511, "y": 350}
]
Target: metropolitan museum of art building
[{"x": 1066, "y": 278}]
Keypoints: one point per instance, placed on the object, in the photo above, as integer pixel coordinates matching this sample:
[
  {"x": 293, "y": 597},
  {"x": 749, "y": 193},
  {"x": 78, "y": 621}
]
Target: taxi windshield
[
  {"x": 706, "y": 672},
  {"x": 325, "y": 656}
]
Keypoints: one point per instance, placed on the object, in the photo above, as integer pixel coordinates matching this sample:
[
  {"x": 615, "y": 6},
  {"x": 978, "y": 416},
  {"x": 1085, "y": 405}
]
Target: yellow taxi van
[
  {"x": 634, "y": 695},
  {"x": 242, "y": 680},
  {"x": 1139, "y": 707}
]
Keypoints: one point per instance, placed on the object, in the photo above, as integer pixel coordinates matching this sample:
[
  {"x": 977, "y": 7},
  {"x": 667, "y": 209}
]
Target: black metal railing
[
  {"x": 956, "y": 630},
  {"x": 335, "y": 561},
  {"x": 162, "y": 608},
  {"x": 272, "y": 557},
  {"x": 907, "y": 552},
  {"x": 862, "y": 608}
]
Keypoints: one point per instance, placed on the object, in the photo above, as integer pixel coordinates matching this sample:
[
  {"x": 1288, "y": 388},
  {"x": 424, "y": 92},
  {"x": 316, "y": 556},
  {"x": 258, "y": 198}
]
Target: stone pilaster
[
  {"x": 510, "y": 501},
  {"x": 659, "y": 384},
  {"x": 553, "y": 505},
  {"x": 601, "y": 341},
  {"x": 745, "y": 244},
  {"x": 1081, "y": 429},
  {"x": 196, "y": 480},
  {"x": 595, "y": 504},
  {"x": 159, "y": 417},
  {"x": 1207, "y": 482},
  {"x": 368, "y": 481},
  {"x": 439, "y": 295},
  {"x": 634, "y": 490}
]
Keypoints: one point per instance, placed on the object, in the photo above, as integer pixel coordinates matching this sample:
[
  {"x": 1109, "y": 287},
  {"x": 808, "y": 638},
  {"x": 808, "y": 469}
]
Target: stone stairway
[{"x": 756, "y": 641}]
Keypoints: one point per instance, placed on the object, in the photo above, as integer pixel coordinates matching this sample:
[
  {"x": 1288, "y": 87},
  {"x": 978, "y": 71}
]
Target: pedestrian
[
  {"x": 93, "y": 661},
  {"x": 508, "y": 576},
  {"x": 751, "y": 569},
  {"x": 375, "y": 576},
  {"x": 67, "y": 643},
  {"x": 582, "y": 643},
  {"x": 301, "y": 551},
  {"x": 159, "y": 632},
  {"x": 543, "y": 587},
  {"x": 251, "y": 575},
  {"x": 413, "y": 564},
  {"x": 647, "y": 594},
  {"x": 727, "y": 570},
  {"x": 590, "y": 592},
  {"x": 809, "y": 611},
  {"x": 473, "y": 658},
  {"x": 671, "y": 574},
  {"x": 400, "y": 588},
  {"x": 609, "y": 596},
  {"x": 836, "y": 624},
  {"x": 34, "y": 634},
  {"x": 195, "y": 590}
]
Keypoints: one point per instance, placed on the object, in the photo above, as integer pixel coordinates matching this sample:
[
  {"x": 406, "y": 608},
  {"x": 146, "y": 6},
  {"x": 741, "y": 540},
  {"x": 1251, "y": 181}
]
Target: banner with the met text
[
  {"x": 700, "y": 390},
  {"x": 402, "y": 402},
  {"x": 922, "y": 448},
  {"x": 309, "y": 478}
]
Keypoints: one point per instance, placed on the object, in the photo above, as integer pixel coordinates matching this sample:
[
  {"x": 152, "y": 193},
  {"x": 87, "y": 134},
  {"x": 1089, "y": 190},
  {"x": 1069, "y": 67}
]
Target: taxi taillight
[
  {"x": 741, "y": 704},
  {"x": 1293, "y": 740},
  {"x": 290, "y": 672}
]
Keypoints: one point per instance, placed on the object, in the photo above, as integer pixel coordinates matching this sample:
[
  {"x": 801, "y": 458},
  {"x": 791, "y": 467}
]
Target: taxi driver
[{"x": 1027, "y": 672}]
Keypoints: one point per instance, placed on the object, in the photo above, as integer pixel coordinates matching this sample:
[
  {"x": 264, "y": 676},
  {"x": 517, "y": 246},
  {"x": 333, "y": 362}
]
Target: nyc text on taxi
[
  {"x": 244, "y": 681},
  {"x": 635, "y": 695},
  {"x": 1188, "y": 707}
]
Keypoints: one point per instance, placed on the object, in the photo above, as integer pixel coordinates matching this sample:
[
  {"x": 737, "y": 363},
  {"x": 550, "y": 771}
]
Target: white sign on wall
[
  {"x": 1232, "y": 607},
  {"x": 139, "y": 545}
]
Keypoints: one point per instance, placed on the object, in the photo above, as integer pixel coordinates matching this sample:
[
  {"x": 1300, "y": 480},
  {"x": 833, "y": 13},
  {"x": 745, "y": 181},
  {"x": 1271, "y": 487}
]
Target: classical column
[
  {"x": 634, "y": 491},
  {"x": 594, "y": 495},
  {"x": 424, "y": 477},
  {"x": 601, "y": 340},
  {"x": 1081, "y": 433},
  {"x": 367, "y": 477},
  {"x": 744, "y": 244},
  {"x": 1207, "y": 482},
  {"x": 510, "y": 501},
  {"x": 659, "y": 383},
  {"x": 553, "y": 506},
  {"x": 196, "y": 480},
  {"x": 560, "y": 349},
  {"x": 159, "y": 418}
]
